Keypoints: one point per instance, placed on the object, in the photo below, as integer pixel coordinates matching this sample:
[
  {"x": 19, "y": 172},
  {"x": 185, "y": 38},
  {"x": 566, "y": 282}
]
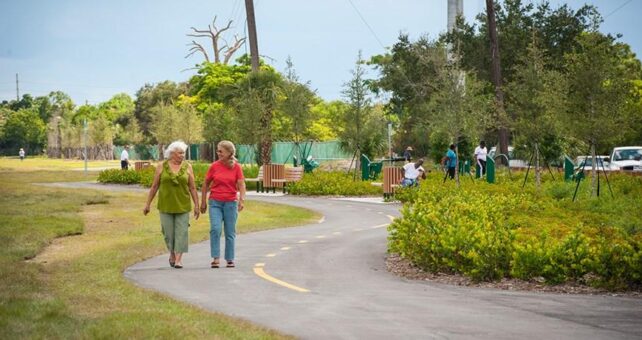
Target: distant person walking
[
  {"x": 21, "y": 153},
  {"x": 451, "y": 161},
  {"x": 480, "y": 155},
  {"x": 407, "y": 154},
  {"x": 174, "y": 180},
  {"x": 226, "y": 185},
  {"x": 124, "y": 158}
]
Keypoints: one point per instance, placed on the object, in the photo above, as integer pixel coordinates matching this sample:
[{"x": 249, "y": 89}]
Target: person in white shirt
[
  {"x": 124, "y": 158},
  {"x": 412, "y": 172},
  {"x": 21, "y": 153},
  {"x": 480, "y": 155}
]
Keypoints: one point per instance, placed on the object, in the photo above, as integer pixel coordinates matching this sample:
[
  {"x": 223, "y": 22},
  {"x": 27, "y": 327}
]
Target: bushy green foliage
[
  {"x": 119, "y": 176},
  {"x": 488, "y": 231},
  {"x": 145, "y": 177},
  {"x": 333, "y": 183}
]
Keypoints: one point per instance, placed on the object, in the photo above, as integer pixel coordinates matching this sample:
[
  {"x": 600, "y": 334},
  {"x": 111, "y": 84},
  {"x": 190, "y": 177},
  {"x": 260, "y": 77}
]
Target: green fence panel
[
  {"x": 283, "y": 152},
  {"x": 490, "y": 169},
  {"x": 569, "y": 168}
]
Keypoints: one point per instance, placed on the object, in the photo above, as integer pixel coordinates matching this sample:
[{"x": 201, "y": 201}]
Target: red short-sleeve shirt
[{"x": 223, "y": 187}]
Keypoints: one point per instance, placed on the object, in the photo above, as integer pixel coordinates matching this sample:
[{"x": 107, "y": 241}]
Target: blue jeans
[{"x": 223, "y": 214}]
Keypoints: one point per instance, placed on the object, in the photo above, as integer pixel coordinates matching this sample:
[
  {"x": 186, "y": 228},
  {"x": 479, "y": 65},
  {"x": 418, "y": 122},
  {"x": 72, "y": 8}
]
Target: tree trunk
[
  {"x": 593, "y": 173},
  {"x": 538, "y": 174},
  {"x": 496, "y": 75}
]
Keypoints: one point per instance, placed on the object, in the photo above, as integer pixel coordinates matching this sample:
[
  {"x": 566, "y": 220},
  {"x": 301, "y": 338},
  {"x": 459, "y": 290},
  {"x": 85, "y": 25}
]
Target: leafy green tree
[
  {"x": 363, "y": 127},
  {"x": 459, "y": 108},
  {"x": 101, "y": 133},
  {"x": 174, "y": 122},
  {"x": 24, "y": 128},
  {"x": 296, "y": 105},
  {"x": 259, "y": 95},
  {"x": 407, "y": 72},
  {"x": 326, "y": 115},
  {"x": 599, "y": 90},
  {"x": 150, "y": 96},
  {"x": 534, "y": 98}
]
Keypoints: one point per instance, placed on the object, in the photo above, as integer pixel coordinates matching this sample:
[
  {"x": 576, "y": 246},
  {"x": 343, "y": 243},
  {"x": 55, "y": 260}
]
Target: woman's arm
[
  {"x": 192, "y": 190},
  {"x": 240, "y": 186},
  {"x": 204, "y": 189},
  {"x": 153, "y": 189}
]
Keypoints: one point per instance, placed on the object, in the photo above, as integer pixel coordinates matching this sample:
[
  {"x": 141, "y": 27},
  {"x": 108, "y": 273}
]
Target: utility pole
[
  {"x": 496, "y": 74},
  {"x": 84, "y": 140},
  {"x": 251, "y": 30},
  {"x": 17, "y": 89}
]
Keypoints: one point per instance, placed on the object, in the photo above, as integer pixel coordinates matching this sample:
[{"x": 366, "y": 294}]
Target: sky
[{"x": 94, "y": 49}]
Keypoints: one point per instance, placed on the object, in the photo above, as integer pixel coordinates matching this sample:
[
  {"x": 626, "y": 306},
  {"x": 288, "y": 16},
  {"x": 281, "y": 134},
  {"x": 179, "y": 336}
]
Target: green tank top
[{"x": 173, "y": 192}]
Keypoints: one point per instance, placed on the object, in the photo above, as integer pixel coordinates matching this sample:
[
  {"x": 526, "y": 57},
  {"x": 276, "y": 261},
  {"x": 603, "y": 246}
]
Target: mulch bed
[{"x": 404, "y": 268}]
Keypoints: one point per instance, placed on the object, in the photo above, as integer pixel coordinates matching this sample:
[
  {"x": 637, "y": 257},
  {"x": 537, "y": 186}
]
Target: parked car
[
  {"x": 626, "y": 158},
  {"x": 587, "y": 162},
  {"x": 513, "y": 163}
]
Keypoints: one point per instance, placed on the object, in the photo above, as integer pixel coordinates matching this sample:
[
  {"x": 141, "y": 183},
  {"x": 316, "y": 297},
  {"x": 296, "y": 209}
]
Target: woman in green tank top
[{"x": 174, "y": 182}]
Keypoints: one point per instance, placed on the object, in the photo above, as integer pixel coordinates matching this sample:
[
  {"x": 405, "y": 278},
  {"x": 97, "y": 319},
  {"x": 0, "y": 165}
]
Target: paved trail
[{"x": 328, "y": 281}]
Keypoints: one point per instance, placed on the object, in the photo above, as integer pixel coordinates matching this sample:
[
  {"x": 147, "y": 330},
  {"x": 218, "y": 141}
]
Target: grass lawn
[
  {"x": 74, "y": 288},
  {"x": 43, "y": 163}
]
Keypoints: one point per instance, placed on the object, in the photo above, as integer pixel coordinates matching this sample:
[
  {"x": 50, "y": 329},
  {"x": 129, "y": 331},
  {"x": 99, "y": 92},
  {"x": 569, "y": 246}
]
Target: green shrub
[
  {"x": 492, "y": 231},
  {"x": 119, "y": 176},
  {"x": 333, "y": 183}
]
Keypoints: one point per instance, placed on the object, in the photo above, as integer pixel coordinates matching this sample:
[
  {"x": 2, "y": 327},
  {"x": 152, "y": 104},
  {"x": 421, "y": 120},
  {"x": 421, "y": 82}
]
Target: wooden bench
[
  {"x": 291, "y": 175},
  {"x": 272, "y": 172},
  {"x": 140, "y": 165},
  {"x": 392, "y": 177},
  {"x": 258, "y": 180}
]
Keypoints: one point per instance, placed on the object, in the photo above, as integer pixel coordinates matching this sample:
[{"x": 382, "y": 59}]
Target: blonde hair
[
  {"x": 229, "y": 147},
  {"x": 178, "y": 145}
]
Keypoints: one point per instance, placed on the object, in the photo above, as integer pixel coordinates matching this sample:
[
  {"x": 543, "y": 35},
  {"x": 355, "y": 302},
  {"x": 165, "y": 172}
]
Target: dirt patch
[{"x": 404, "y": 268}]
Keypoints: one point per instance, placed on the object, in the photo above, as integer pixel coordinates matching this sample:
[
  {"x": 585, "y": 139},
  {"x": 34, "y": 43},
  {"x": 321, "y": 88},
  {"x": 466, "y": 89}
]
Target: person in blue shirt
[{"x": 451, "y": 161}]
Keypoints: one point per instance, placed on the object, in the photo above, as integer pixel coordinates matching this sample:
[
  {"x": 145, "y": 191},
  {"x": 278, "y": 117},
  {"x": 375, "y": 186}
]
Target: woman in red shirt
[{"x": 223, "y": 179}]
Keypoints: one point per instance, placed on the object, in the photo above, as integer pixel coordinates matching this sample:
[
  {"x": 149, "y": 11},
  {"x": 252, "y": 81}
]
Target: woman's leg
[
  {"x": 181, "y": 236},
  {"x": 216, "y": 221},
  {"x": 167, "y": 227},
  {"x": 230, "y": 214}
]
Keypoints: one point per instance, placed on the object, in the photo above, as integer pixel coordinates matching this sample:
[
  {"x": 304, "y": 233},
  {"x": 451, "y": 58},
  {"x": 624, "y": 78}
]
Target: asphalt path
[{"x": 328, "y": 280}]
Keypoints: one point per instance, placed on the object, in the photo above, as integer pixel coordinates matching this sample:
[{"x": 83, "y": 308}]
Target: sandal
[
  {"x": 230, "y": 264},
  {"x": 172, "y": 263},
  {"x": 178, "y": 266},
  {"x": 215, "y": 263}
]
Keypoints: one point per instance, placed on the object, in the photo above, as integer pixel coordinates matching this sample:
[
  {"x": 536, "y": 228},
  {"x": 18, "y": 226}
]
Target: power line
[
  {"x": 366, "y": 23},
  {"x": 617, "y": 9}
]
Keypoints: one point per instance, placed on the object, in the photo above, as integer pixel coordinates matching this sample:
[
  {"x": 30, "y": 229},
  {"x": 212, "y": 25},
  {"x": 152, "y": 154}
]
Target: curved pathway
[{"x": 329, "y": 281}]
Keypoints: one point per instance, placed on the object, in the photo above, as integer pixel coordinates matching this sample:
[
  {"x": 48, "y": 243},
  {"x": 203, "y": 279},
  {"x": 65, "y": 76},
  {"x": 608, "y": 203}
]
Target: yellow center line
[
  {"x": 392, "y": 218},
  {"x": 285, "y": 248},
  {"x": 262, "y": 274},
  {"x": 303, "y": 241},
  {"x": 270, "y": 255},
  {"x": 336, "y": 233},
  {"x": 380, "y": 226},
  {"x": 320, "y": 236}
]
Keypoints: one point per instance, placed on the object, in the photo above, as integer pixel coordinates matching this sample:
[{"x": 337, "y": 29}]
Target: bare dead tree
[{"x": 214, "y": 34}]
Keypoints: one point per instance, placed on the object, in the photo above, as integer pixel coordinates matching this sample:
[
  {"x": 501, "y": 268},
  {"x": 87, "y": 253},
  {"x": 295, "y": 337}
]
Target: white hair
[{"x": 178, "y": 145}]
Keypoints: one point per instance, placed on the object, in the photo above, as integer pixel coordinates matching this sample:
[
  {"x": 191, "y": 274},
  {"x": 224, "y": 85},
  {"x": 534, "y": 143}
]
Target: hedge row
[
  {"x": 145, "y": 176},
  {"x": 333, "y": 183},
  {"x": 488, "y": 232}
]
